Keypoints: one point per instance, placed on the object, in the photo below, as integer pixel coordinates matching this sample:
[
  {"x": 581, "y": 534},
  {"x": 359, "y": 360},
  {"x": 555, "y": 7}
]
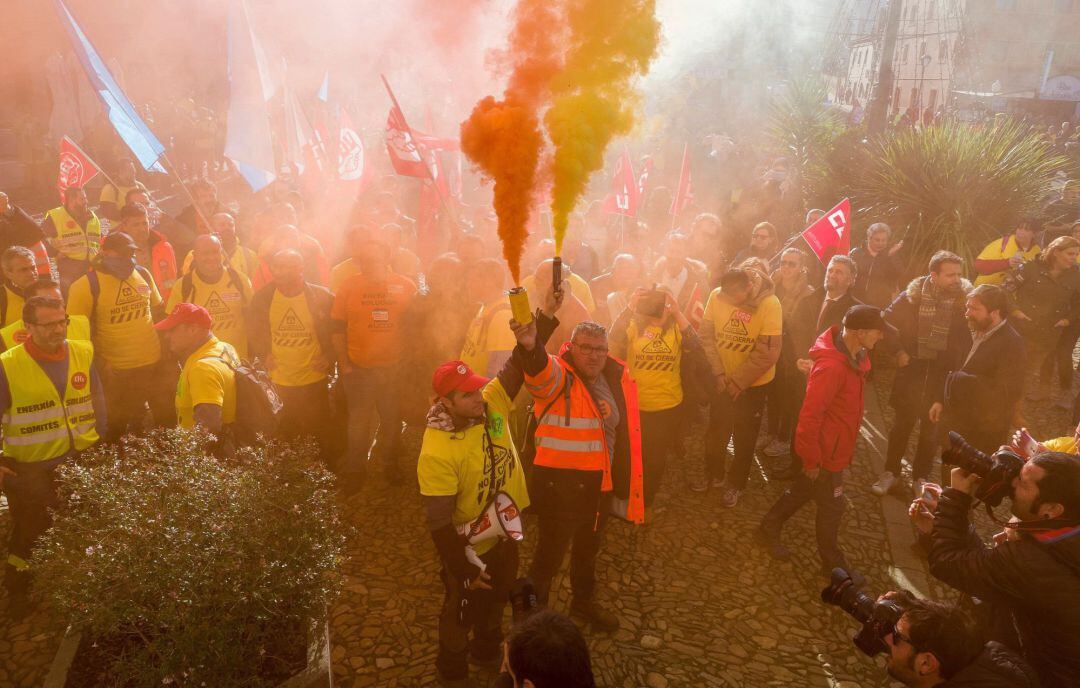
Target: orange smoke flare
[
  {"x": 503, "y": 138},
  {"x": 610, "y": 44}
]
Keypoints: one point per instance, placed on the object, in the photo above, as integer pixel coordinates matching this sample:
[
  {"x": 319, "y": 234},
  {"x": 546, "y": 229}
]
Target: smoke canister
[{"x": 519, "y": 305}]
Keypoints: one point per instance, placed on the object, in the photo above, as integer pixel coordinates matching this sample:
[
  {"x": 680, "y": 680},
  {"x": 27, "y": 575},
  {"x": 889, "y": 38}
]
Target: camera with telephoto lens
[
  {"x": 877, "y": 618},
  {"x": 651, "y": 304},
  {"x": 997, "y": 470}
]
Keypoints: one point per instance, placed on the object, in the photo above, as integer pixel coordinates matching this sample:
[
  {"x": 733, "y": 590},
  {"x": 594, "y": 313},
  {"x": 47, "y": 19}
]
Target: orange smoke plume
[
  {"x": 610, "y": 44},
  {"x": 503, "y": 138}
]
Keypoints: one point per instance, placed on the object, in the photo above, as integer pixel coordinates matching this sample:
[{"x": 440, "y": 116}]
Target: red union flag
[
  {"x": 683, "y": 193},
  {"x": 831, "y": 234},
  {"x": 405, "y": 154},
  {"x": 625, "y": 194},
  {"x": 76, "y": 167}
]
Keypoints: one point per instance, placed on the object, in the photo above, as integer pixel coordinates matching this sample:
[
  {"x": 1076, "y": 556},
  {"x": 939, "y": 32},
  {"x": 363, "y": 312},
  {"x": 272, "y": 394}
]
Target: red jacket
[
  {"x": 162, "y": 263},
  {"x": 831, "y": 414}
]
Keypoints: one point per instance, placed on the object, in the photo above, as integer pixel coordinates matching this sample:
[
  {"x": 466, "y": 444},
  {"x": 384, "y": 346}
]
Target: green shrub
[{"x": 190, "y": 568}]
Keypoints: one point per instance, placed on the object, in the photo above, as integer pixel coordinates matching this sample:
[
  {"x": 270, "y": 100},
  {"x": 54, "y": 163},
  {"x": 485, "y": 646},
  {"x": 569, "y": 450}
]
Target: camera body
[
  {"x": 651, "y": 304},
  {"x": 997, "y": 471},
  {"x": 877, "y": 618}
]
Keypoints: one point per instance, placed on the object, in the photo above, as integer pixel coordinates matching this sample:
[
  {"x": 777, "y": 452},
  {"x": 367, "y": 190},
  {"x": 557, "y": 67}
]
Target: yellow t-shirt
[
  {"x": 737, "y": 328},
  {"x": 226, "y": 302},
  {"x": 994, "y": 251},
  {"x": 341, "y": 272},
  {"x": 293, "y": 342},
  {"x": 578, "y": 287},
  {"x": 488, "y": 332},
  {"x": 654, "y": 356},
  {"x": 14, "y": 308},
  {"x": 454, "y": 463},
  {"x": 111, "y": 194},
  {"x": 1065, "y": 445},
  {"x": 207, "y": 379},
  {"x": 243, "y": 260},
  {"x": 123, "y": 327},
  {"x": 16, "y": 332}
]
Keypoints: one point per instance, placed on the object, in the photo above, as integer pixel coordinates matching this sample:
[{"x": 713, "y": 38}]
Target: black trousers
[
  {"x": 659, "y": 435},
  {"x": 306, "y": 411},
  {"x": 828, "y": 492},
  {"x": 128, "y": 392},
  {"x": 31, "y": 493},
  {"x": 739, "y": 419},
  {"x": 582, "y": 535},
  {"x": 482, "y": 617},
  {"x": 925, "y": 449}
]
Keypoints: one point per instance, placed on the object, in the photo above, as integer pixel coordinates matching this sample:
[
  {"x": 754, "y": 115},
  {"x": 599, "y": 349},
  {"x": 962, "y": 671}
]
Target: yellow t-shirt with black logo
[
  {"x": 654, "y": 356},
  {"x": 738, "y": 327},
  {"x": 225, "y": 300},
  {"x": 207, "y": 379},
  {"x": 488, "y": 332},
  {"x": 293, "y": 342},
  {"x": 455, "y": 463},
  {"x": 123, "y": 327}
]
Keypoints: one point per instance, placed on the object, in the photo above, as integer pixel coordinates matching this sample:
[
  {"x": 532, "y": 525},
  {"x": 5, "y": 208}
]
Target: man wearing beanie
[{"x": 826, "y": 432}]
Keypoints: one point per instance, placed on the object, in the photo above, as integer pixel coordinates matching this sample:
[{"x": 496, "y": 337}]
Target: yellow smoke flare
[{"x": 610, "y": 45}]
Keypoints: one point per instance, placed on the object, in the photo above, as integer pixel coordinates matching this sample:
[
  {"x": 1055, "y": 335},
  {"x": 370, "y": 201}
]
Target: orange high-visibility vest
[{"x": 570, "y": 429}]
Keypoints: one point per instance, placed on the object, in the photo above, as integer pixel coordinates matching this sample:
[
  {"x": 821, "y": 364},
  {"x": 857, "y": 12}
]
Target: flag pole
[{"x": 187, "y": 192}]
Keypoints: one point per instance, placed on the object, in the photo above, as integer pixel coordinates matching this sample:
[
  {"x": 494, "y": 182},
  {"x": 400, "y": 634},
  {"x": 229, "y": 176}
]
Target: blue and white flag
[
  {"x": 247, "y": 138},
  {"x": 138, "y": 137}
]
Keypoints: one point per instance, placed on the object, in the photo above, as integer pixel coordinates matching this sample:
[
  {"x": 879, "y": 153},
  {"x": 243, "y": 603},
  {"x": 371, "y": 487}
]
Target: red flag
[
  {"x": 695, "y": 308},
  {"x": 624, "y": 198},
  {"x": 76, "y": 167},
  {"x": 405, "y": 154},
  {"x": 683, "y": 193},
  {"x": 350, "y": 152},
  {"x": 831, "y": 234}
]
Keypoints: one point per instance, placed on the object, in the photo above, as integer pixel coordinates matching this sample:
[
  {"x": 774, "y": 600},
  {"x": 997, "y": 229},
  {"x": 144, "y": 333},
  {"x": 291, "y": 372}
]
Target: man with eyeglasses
[
  {"x": 588, "y": 459},
  {"x": 53, "y": 409},
  {"x": 939, "y": 644}
]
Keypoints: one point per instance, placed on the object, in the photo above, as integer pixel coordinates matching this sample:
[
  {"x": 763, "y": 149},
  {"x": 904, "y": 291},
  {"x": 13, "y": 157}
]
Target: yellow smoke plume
[{"x": 610, "y": 44}]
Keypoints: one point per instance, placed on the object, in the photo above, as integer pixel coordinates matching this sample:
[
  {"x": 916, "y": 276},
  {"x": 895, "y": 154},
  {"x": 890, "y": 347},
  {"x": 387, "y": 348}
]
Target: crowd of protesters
[{"x": 714, "y": 325}]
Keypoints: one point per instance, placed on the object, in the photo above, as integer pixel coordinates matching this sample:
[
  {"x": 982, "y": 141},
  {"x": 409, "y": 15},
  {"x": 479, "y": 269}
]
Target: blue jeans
[{"x": 373, "y": 399}]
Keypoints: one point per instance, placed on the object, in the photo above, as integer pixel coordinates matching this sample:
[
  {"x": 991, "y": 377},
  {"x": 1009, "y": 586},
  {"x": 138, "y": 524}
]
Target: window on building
[
  {"x": 1006, "y": 5},
  {"x": 914, "y": 10},
  {"x": 943, "y": 51},
  {"x": 922, "y": 49},
  {"x": 930, "y": 9},
  {"x": 933, "y": 99},
  {"x": 1063, "y": 5},
  {"x": 906, "y": 53}
]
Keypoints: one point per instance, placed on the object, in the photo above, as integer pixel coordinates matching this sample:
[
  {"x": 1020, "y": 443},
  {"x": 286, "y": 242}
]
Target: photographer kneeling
[
  {"x": 1037, "y": 575},
  {"x": 939, "y": 644}
]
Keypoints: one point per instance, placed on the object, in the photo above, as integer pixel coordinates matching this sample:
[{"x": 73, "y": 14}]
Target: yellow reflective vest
[
  {"x": 72, "y": 240},
  {"x": 39, "y": 425},
  {"x": 16, "y": 332}
]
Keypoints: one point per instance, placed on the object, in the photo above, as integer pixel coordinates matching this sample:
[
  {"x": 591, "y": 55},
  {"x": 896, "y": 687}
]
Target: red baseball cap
[
  {"x": 455, "y": 375},
  {"x": 186, "y": 314}
]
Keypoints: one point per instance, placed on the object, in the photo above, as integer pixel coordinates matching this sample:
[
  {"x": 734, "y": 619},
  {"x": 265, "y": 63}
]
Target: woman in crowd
[
  {"x": 1047, "y": 302},
  {"x": 654, "y": 337}
]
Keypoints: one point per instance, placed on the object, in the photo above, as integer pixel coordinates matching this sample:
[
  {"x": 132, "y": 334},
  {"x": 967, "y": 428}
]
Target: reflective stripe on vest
[
  {"x": 40, "y": 426},
  {"x": 72, "y": 240},
  {"x": 586, "y": 446},
  {"x": 572, "y": 423}
]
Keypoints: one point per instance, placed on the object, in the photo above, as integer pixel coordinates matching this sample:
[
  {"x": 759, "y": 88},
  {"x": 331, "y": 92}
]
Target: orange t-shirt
[{"x": 372, "y": 314}]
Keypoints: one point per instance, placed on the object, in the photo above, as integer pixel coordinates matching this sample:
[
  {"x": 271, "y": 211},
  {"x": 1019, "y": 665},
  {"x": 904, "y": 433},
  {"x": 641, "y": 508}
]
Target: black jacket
[
  {"x": 1045, "y": 300},
  {"x": 996, "y": 667},
  {"x": 878, "y": 277},
  {"x": 1039, "y": 582},
  {"x": 922, "y": 381},
  {"x": 17, "y": 229},
  {"x": 982, "y": 394},
  {"x": 808, "y": 321},
  {"x": 319, "y": 302}
]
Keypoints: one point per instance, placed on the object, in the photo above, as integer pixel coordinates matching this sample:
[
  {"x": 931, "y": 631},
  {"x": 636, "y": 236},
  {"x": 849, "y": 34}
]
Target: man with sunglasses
[
  {"x": 53, "y": 409},
  {"x": 939, "y": 644}
]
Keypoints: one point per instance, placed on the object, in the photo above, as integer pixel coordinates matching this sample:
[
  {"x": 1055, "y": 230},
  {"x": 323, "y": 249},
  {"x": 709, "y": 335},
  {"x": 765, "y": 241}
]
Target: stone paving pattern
[{"x": 699, "y": 604}]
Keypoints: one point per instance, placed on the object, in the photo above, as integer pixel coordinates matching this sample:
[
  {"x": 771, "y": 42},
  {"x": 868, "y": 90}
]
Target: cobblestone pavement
[{"x": 699, "y": 604}]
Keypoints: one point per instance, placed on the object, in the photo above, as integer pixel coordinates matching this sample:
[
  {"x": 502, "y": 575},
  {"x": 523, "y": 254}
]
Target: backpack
[{"x": 258, "y": 404}]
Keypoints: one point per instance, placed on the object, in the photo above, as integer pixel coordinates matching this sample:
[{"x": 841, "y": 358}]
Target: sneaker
[
  {"x": 776, "y": 448},
  {"x": 730, "y": 498},
  {"x": 705, "y": 483},
  {"x": 771, "y": 544},
  {"x": 884, "y": 484},
  {"x": 600, "y": 618}
]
